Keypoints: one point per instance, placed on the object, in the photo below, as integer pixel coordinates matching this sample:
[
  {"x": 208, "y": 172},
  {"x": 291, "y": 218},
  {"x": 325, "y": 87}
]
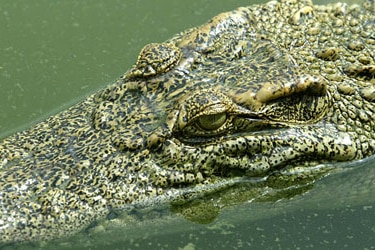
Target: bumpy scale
[{"x": 262, "y": 91}]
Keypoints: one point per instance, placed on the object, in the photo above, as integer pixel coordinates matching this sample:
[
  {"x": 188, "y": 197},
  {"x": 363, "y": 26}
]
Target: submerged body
[{"x": 266, "y": 91}]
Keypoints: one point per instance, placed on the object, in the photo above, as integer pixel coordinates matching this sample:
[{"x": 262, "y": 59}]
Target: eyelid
[{"x": 186, "y": 120}]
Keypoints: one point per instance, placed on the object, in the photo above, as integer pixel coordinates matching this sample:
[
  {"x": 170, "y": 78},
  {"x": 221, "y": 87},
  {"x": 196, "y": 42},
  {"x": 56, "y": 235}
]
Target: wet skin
[{"x": 268, "y": 91}]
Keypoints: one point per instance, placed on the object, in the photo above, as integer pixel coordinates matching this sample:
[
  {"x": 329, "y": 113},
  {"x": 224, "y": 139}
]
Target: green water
[{"x": 53, "y": 53}]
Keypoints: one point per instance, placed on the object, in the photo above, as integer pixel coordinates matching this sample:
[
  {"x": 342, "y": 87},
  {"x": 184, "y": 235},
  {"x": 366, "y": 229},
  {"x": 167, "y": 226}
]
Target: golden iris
[{"x": 211, "y": 122}]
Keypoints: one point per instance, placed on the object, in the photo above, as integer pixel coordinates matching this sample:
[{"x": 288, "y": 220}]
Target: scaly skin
[{"x": 266, "y": 91}]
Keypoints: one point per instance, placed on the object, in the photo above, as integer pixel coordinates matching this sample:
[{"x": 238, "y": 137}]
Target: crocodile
[{"x": 267, "y": 94}]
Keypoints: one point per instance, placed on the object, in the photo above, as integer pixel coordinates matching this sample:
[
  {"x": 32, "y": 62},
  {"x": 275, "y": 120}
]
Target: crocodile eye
[{"x": 211, "y": 122}]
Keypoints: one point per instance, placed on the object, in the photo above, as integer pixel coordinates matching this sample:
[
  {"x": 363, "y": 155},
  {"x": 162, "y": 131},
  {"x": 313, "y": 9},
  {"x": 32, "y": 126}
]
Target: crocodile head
[
  {"x": 262, "y": 94},
  {"x": 239, "y": 97}
]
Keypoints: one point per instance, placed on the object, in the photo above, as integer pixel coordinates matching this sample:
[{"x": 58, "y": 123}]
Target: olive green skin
[{"x": 270, "y": 91}]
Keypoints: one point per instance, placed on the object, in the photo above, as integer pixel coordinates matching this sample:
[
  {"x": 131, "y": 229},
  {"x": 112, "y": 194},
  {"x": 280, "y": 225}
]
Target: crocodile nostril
[{"x": 155, "y": 59}]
